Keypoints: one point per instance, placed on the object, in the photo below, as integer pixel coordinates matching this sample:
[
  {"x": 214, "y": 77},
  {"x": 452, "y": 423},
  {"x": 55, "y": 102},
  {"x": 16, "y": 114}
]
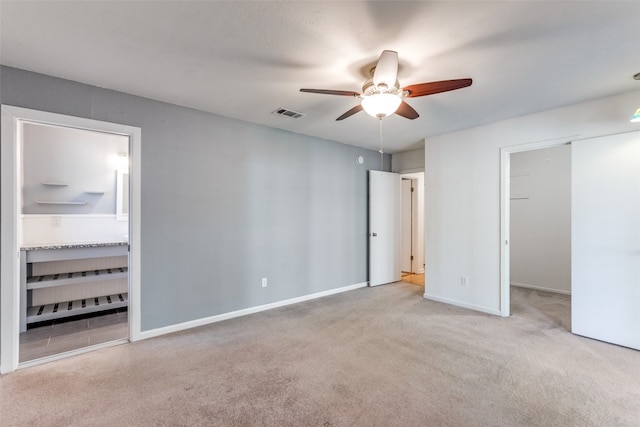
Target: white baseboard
[
  {"x": 540, "y": 288},
  {"x": 463, "y": 304},
  {"x": 246, "y": 311}
]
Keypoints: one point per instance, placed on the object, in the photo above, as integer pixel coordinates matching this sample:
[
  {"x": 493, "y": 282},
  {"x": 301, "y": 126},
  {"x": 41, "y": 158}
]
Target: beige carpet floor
[{"x": 379, "y": 356}]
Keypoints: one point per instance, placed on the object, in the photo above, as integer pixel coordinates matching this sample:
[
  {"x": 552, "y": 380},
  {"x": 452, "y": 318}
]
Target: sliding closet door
[{"x": 605, "y": 300}]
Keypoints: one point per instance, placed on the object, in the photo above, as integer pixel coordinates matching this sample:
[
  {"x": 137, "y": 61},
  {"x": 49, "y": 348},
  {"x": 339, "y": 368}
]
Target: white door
[
  {"x": 605, "y": 239},
  {"x": 384, "y": 227},
  {"x": 406, "y": 251}
]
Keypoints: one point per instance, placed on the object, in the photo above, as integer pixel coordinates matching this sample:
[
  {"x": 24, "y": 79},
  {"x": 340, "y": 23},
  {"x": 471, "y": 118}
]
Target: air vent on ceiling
[{"x": 288, "y": 113}]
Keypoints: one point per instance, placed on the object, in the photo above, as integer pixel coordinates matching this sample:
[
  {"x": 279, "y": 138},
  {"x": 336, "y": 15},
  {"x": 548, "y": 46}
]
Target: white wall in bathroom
[{"x": 46, "y": 229}]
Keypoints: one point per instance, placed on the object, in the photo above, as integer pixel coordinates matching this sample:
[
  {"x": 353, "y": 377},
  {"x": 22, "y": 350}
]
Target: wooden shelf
[
  {"x": 45, "y": 202},
  {"x": 42, "y": 313},
  {"x": 40, "y": 282}
]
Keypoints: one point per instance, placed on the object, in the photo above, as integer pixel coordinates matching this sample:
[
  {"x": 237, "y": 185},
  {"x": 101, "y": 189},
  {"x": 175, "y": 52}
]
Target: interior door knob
[{"x": 373, "y": 234}]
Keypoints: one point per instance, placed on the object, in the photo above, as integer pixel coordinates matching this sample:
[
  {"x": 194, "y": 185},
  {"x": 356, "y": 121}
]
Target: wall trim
[
  {"x": 463, "y": 304},
  {"x": 410, "y": 171},
  {"x": 539, "y": 288},
  {"x": 244, "y": 312}
]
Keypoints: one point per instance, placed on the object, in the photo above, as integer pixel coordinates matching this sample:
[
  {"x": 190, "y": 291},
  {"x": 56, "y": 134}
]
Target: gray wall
[
  {"x": 540, "y": 247},
  {"x": 408, "y": 161},
  {"x": 225, "y": 202}
]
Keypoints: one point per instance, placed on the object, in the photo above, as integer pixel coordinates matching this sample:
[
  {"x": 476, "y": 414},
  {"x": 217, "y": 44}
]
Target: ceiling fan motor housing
[{"x": 369, "y": 88}]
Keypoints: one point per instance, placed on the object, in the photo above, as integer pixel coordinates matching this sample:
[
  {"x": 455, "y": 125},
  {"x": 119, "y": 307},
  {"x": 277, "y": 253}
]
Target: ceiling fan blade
[
  {"x": 351, "y": 112},
  {"x": 423, "y": 89},
  {"x": 386, "y": 71},
  {"x": 331, "y": 92},
  {"x": 407, "y": 111}
]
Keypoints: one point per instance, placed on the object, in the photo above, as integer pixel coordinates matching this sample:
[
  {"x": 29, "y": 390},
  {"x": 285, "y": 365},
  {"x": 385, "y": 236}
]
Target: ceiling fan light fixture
[{"x": 381, "y": 104}]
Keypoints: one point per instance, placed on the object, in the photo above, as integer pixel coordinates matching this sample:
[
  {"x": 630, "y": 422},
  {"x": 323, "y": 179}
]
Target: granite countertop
[{"x": 78, "y": 245}]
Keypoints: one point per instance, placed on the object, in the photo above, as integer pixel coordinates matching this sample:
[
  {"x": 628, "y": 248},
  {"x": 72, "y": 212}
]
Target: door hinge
[
  {"x": 411, "y": 257},
  {"x": 412, "y": 189}
]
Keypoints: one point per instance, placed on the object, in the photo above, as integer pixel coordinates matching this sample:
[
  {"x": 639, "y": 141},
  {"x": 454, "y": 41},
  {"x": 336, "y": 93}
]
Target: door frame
[
  {"x": 10, "y": 168},
  {"x": 505, "y": 211},
  {"x": 410, "y": 223},
  {"x": 418, "y": 235}
]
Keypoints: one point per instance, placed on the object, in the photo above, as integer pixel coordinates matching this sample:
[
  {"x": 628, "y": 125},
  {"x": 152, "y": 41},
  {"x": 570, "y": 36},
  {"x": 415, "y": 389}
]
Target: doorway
[
  {"x": 59, "y": 258},
  {"x": 505, "y": 212},
  {"x": 386, "y": 228},
  {"x": 540, "y": 230},
  {"x": 604, "y": 215},
  {"x": 412, "y": 232},
  {"x": 74, "y": 258}
]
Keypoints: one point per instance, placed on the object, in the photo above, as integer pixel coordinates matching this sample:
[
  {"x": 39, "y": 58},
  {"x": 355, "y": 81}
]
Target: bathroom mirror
[{"x": 122, "y": 195}]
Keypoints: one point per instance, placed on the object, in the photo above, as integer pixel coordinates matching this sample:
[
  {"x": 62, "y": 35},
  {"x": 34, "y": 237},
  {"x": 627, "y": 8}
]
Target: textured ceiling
[{"x": 244, "y": 59}]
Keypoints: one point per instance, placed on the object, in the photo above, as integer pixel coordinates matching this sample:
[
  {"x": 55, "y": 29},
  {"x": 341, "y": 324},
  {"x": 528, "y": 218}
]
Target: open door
[
  {"x": 385, "y": 189},
  {"x": 605, "y": 296}
]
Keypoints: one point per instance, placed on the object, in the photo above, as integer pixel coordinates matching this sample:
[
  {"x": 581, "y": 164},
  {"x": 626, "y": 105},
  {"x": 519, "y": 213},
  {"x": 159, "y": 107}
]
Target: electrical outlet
[
  {"x": 464, "y": 281},
  {"x": 56, "y": 221},
  {"x": 264, "y": 282}
]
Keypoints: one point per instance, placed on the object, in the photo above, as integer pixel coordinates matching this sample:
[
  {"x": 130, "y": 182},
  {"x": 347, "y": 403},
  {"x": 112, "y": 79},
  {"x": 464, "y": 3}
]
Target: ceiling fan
[{"x": 381, "y": 93}]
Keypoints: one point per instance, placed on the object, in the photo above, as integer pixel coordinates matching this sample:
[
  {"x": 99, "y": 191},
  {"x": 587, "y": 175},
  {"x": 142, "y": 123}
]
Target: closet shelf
[
  {"x": 42, "y": 313},
  {"x": 55, "y": 184},
  {"x": 45, "y": 202},
  {"x": 46, "y": 281},
  {"x": 94, "y": 192}
]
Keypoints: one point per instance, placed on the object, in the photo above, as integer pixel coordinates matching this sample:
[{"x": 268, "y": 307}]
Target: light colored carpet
[{"x": 379, "y": 356}]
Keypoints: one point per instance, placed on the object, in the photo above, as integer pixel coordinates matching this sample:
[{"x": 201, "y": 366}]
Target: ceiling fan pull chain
[{"x": 381, "y": 150}]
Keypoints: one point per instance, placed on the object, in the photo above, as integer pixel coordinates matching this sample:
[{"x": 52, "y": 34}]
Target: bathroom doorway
[
  {"x": 71, "y": 217},
  {"x": 74, "y": 239}
]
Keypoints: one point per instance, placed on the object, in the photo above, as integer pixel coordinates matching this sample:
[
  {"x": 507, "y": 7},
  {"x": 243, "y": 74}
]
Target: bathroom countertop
[{"x": 78, "y": 245}]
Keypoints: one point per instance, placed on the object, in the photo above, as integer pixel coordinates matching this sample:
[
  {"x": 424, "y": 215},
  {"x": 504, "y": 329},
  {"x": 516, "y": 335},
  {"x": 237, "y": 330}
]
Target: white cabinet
[{"x": 78, "y": 279}]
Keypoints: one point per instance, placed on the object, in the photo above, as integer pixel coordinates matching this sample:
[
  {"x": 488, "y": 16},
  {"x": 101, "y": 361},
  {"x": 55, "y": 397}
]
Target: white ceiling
[{"x": 244, "y": 59}]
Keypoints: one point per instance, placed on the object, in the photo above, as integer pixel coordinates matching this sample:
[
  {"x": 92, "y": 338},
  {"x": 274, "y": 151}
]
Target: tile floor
[{"x": 58, "y": 336}]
